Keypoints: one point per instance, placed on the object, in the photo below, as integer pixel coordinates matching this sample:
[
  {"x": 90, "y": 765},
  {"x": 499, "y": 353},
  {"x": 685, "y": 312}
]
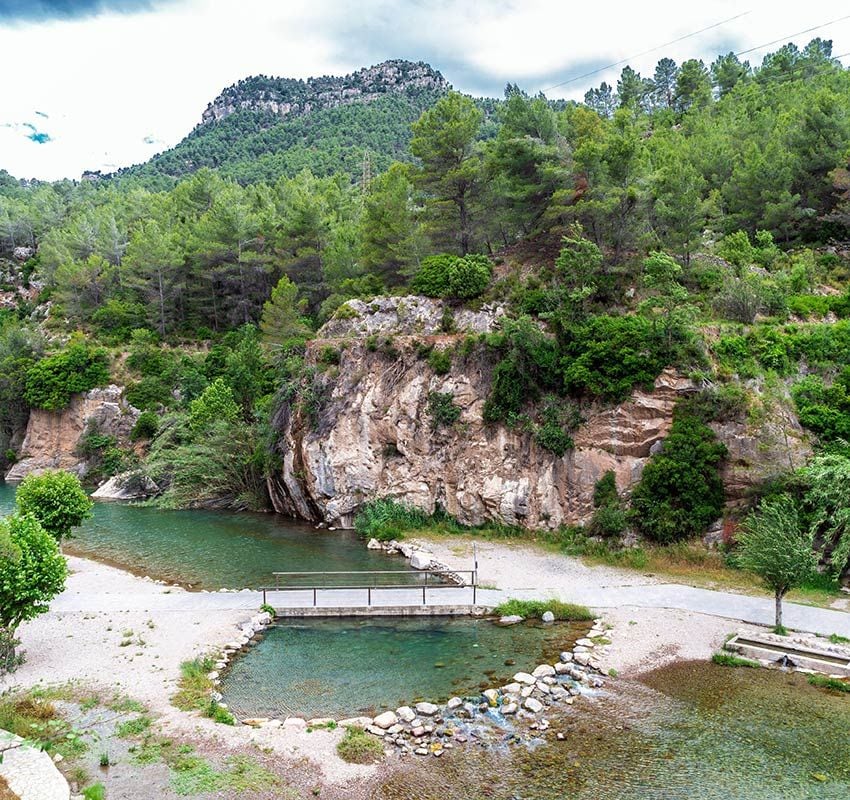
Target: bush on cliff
[
  {"x": 78, "y": 368},
  {"x": 680, "y": 492}
]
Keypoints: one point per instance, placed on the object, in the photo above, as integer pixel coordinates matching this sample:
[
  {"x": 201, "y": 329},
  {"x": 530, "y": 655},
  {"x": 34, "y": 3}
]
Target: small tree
[
  {"x": 32, "y": 573},
  {"x": 56, "y": 500},
  {"x": 773, "y": 544}
]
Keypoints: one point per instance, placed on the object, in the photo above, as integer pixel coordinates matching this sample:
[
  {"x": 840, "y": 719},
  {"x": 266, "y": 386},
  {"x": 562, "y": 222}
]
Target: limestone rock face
[
  {"x": 373, "y": 436},
  {"x": 52, "y": 437}
]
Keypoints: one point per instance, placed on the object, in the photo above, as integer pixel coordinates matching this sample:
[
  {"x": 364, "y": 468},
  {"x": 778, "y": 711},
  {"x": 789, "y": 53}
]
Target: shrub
[
  {"x": 386, "y": 519},
  {"x": 440, "y": 360},
  {"x": 146, "y": 426},
  {"x": 731, "y": 660},
  {"x": 56, "y": 500},
  {"x": 534, "y": 609},
  {"x": 609, "y": 521},
  {"x": 680, "y": 491},
  {"x": 605, "y": 490},
  {"x": 609, "y": 356},
  {"x": 450, "y": 276},
  {"x": 328, "y": 355},
  {"x": 442, "y": 409},
  {"x": 737, "y": 249},
  {"x": 78, "y": 368},
  {"x": 824, "y": 409},
  {"x": 32, "y": 573},
  {"x": 216, "y": 404},
  {"x": 358, "y": 747},
  {"x": 118, "y": 318}
]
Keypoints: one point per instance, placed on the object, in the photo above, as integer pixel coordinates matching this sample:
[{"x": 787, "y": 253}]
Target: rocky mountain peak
[{"x": 290, "y": 97}]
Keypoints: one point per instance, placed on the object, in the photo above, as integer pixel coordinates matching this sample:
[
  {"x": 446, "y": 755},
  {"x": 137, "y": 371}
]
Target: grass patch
[
  {"x": 133, "y": 727},
  {"x": 96, "y": 792},
  {"x": 731, "y": 660},
  {"x": 191, "y": 774},
  {"x": 195, "y": 688},
  {"x": 36, "y": 719},
  {"x": 358, "y": 747},
  {"x": 830, "y": 684},
  {"x": 534, "y": 609},
  {"x": 834, "y": 638}
]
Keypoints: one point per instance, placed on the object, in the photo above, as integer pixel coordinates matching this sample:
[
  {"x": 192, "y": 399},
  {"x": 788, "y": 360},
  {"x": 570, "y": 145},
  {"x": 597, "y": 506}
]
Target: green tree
[
  {"x": 774, "y": 545},
  {"x": 52, "y": 380},
  {"x": 668, "y": 304},
  {"x": 631, "y": 90},
  {"x": 444, "y": 142},
  {"x": 216, "y": 403},
  {"x": 727, "y": 72},
  {"x": 664, "y": 82},
  {"x": 827, "y": 506},
  {"x": 32, "y": 573},
  {"x": 56, "y": 500},
  {"x": 693, "y": 86},
  {"x": 283, "y": 325}
]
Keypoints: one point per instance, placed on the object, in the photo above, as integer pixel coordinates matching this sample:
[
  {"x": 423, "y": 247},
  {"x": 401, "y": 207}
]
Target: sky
[{"x": 101, "y": 84}]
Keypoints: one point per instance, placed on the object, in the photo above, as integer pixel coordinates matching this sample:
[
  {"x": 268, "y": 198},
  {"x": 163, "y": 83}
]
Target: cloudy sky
[{"x": 99, "y": 84}]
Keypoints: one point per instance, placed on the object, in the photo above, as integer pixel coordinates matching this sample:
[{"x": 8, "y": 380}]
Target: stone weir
[{"x": 370, "y": 433}]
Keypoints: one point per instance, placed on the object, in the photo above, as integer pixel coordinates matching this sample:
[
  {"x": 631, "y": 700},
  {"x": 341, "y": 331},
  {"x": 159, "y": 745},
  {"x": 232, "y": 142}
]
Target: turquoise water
[
  {"x": 348, "y": 667},
  {"x": 214, "y": 549},
  {"x": 691, "y": 731}
]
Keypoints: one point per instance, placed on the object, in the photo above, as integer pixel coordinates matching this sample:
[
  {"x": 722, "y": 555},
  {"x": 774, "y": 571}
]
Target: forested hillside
[{"x": 698, "y": 219}]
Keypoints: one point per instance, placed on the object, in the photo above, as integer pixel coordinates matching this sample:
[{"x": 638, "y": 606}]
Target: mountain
[{"x": 262, "y": 127}]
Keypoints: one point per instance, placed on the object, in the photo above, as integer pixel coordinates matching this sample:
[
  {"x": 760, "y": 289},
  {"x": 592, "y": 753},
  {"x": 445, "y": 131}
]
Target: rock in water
[{"x": 548, "y": 616}]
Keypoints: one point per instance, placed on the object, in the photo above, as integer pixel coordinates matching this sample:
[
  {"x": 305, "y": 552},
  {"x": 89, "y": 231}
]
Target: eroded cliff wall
[{"x": 371, "y": 434}]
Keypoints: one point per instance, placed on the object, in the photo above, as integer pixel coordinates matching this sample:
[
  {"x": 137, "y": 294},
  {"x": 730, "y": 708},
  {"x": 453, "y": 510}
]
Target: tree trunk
[{"x": 780, "y": 593}]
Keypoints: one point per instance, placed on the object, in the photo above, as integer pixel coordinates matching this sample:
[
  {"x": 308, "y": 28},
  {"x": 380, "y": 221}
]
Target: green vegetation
[
  {"x": 725, "y": 659},
  {"x": 680, "y": 491},
  {"x": 56, "y": 499},
  {"x": 534, "y": 609},
  {"x": 51, "y": 381},
  {"x": 32, "y": 573},
  {"x": 387, "y": 519},
  {"x": 195, "y": 689},
  {"x": 831, "y": 684},
  {"x": 358, "y": 747},
  {"x": 777, "y": 547}
]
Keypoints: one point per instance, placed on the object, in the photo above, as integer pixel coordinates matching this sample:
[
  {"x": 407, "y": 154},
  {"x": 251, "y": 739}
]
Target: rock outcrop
[
  {"x": 53, "y": 437},
  {"x": 288, "y": 97},
  {"x": 373, "y": 436}
]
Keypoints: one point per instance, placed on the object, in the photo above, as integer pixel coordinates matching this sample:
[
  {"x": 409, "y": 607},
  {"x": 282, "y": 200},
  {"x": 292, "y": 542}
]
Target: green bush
[
  {"x": 824, "y": 409},
  {"x": 146, "y": 426},
  {"x": 605, "y": 490},
  {"x": 215, "y": 405},
  {"x": 534, "y": 609},
  {"x": 118, "y": 318},
  {"x": 453, "y": 277},
  {"x": 832, "y": 684},
  {"x": 737, "y": 249},
  {"x": 608, "y": 356},
  {"x": 440, "y": 360},
  {"x": 442, "y": 409},
  {"x": 78, "y": 368},
  {"x": 680, "y": 492},
  {"x": 358, "y": 747},
  {"x": 609, "y": 521},
  {"x": 56, "y": 499},
  {"x": 725, "y": 659},
  {"x": 386, "y": 519}
]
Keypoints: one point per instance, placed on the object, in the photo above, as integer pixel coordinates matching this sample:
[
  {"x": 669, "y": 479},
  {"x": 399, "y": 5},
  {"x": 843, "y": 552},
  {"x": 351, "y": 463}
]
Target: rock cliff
[
  {"x": 287, "y": 97},
  {"x": 373, "y": 437},
  {"x": 53, "y": 437}
]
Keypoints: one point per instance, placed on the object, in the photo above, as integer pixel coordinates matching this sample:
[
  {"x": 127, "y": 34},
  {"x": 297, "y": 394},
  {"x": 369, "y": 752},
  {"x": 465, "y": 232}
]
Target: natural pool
[
  {"x": 352, "y": 666},
  {"x": 690, "y": 730},
  {"x": 213, "y": 549}
]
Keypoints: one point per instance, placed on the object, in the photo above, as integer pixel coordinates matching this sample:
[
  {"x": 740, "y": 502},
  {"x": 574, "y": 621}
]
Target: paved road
[{"x": 758, "y": 610}]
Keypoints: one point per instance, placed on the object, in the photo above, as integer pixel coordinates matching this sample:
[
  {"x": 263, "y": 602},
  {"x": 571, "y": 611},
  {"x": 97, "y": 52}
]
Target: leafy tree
[
  {"x": 668, "y": 304},
  {"x": 827, "y": 507},
  {"x": 443, "y": 140},
  {"x": 32, "y": 573},
  {"x": 601, "y": 100},
  {"x": 727, "y": 72},
  {"x": 56, "y": 500},
  {"x": 664, "y": 82},
  {"x": 775, "y": 545},
  {"x": 631, "y": 89},
  {"x": 216, "y": 403},
  {"x": 693, "y": 86}
]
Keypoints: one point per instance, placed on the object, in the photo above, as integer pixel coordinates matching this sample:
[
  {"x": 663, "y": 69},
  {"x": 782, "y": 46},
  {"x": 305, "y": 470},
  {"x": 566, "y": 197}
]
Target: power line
[
  {"x": 647, "y": 52},
  {"x": 792, "y": 35}
]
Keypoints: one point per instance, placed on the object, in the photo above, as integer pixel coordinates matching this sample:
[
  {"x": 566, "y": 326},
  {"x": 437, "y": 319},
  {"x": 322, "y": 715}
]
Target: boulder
[
  {"x": 421, "y": 559},
  {"x": 385, "y": 720},
  {"x": 426, "y": 709},
  {"x": 373, "y": 544},
  {"x": 356, "y": 722},
  {"x": 406, "y": 714},
  {"x": 510, "y": 619},
  {"x": 509, "y": 708},
  {"x": 543, "y": 671},
  {"x": 454, "y": 702},
  {"x": 492, "y": 697},
  {"x": 525, "y": 678},
  {"x": 548, "y": 616},
  {"x": 566, "y": 657},
  {"x": 533, "y": 705}
]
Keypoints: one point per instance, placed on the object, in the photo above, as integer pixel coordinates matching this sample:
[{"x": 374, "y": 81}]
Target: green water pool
[
  {"x": 348, "y": 667},
  {"x": 214, "y": 549}
]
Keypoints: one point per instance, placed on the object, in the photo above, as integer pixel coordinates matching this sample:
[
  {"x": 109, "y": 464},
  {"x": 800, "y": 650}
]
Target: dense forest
[{"x": 698, "y": 218}]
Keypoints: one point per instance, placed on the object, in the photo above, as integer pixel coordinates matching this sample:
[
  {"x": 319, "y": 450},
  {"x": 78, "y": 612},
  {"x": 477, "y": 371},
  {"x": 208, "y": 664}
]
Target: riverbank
[{"x": 114, "y": 631}]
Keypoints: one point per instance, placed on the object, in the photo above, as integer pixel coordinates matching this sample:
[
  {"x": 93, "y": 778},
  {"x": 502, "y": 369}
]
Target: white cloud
[{"x": 116, "y": 88}]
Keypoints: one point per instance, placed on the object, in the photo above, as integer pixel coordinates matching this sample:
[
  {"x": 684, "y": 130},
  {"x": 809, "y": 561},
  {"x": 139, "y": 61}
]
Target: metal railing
[{"x": 372, "y": 582}]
